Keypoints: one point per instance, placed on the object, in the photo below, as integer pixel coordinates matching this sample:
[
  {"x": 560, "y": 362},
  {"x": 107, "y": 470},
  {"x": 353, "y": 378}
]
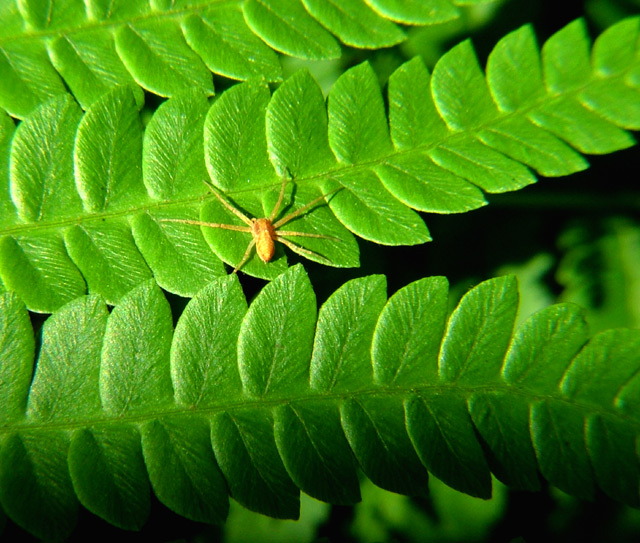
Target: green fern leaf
[
  {"x": 598, "y": 272},
  {"x": 297, "y": 128},
  {"x": 39, "y": 268},
  {"x": 183, "y": 469},
  {"x": 417, "y": 12},
  {"x": 325, "y": 469},
  {"x": 40, "y": 173},
  {"x": 18, "y": 345},
  {"x": 168, "y": 47},
  {"x": 143, "y": 50},
  {"x": 355, "y": 23},
  {"x": 106, "y": 486},
  {"x": 234, "y": 137},
  {"x": 287, "y": 27},
  {"x": 441, "y": 431},
  {"x": 347, "y": 319},
  {"x": 7, "y": 209},
  {"x": 262, "y": 403},
  {"x": 446, "y": 138}
]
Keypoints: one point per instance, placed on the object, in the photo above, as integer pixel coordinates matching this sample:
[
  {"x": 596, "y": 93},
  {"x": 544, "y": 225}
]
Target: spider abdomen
[{"x": 264, "y": 234}]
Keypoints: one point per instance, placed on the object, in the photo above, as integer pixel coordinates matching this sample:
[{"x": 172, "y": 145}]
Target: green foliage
[
  {"x": 261, "y": 403},
  {"x": 89, "y": 192},
  {"x": 170, "y": 46},
  {"x": 109, "y": 402},
  {"x": 383, "y": 516},
  {"x": 599, "y": 271}
]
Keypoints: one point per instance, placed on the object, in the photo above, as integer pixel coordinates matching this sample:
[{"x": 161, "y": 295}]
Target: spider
[{"x": 264, "y": 231}]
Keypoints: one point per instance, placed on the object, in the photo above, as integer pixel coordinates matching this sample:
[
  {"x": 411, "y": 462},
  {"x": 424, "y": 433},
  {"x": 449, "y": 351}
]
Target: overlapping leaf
[
  {"x": 599, "y": 271},
  {"x": 87, "y": 193},
  {"x": 168, "y": 47},
  {"x": 263, "y": 403}
]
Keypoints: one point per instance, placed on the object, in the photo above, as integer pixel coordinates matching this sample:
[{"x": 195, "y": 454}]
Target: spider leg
[
  {"x": 304, "y": 235},
  {"x": 210, "y": 224},
  {"x": 279, "y": 202},
  {"x": 226, "y": 204},
  {"x": 246, "y": 256},
  {"x": 301, "y": 210},
  {"x": 296, "y": 248}
]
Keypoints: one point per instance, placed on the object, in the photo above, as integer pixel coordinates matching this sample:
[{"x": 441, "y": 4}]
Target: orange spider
[{"x": 264, "y": 231}]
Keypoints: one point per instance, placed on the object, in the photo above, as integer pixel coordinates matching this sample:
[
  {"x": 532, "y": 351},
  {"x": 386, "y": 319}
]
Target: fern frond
[
  {"x": 90, "y": 190},
  {"x": 262, "y": 402},
  {"x": 168, "y": 47},
  {"x": 599, "y": 271}
]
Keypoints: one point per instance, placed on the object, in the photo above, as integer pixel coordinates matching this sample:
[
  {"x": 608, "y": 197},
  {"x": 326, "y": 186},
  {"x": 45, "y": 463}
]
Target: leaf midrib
[{"x": 466, "y": 392}]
